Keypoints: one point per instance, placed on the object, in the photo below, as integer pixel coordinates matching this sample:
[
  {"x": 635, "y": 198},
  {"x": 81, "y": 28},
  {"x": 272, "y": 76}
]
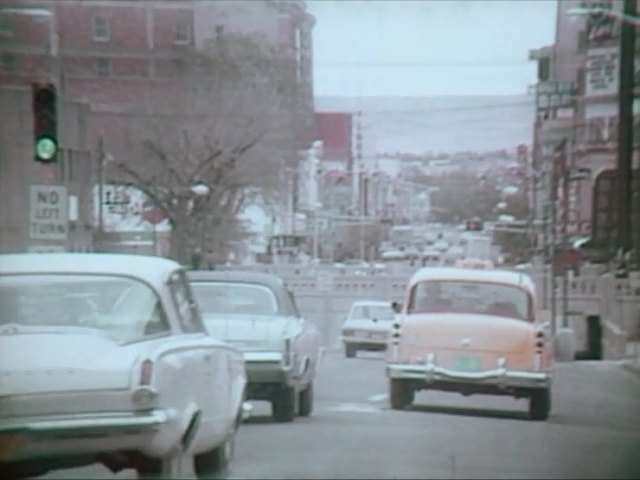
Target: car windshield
[
  {"x": 370, "y": 312},
  {"x": 471, "y": 297},
  {"x": 234, "y": 298},
  {"x": 123, "y": 308}
]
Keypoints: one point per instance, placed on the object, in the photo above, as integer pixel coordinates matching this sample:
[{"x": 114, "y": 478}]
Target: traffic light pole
[{"x": 625, "y": 127}]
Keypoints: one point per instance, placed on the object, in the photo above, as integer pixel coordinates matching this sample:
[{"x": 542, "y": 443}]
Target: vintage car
[
  {"x": 257, "y": 313},
  {"x": 104, "y": 358},
  {"x": 472, "y": 331},
  {"x": 367, "y": 326}
]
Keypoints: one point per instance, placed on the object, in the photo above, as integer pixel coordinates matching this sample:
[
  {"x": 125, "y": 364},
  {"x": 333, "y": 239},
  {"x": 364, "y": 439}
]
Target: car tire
[
  {"x": 350, "y": 350},
  {"x": 161, "y": 468},
  {"x": 401, "y": 394},
  {"x": 540, "y": 404},
  {"x": 215, "y": 462},
  {"x": 305, "y": 401},
  {"x": 284, "y": 404}
]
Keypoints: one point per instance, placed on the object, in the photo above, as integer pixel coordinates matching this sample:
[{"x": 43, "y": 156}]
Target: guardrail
[{"x": 324, "y": 293}]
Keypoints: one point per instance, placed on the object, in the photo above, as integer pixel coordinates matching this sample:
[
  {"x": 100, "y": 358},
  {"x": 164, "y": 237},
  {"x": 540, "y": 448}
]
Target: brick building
[
  {"x": 577, "y": 100},
  {"x": 106, "y": 57}
]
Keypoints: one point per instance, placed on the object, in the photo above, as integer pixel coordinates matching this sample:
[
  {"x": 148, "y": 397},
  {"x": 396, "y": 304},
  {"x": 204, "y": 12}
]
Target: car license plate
[
  {"x": 467, "y": 364},
  {"x": 10, "y": 443},
  {"x": 377, "y": 336}
]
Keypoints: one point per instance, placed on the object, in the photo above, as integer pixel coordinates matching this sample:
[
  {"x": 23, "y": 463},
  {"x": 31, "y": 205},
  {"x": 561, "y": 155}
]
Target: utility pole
[
  {"x": 361, "y": 177},
  {"x": 565, "y": 232},
  {"x": 625, "y": 128},
  {"x": 101, "y": 161}
]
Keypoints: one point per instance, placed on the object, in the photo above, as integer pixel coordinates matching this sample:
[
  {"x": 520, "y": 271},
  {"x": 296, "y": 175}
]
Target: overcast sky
[{"x": 424, "y": 48}]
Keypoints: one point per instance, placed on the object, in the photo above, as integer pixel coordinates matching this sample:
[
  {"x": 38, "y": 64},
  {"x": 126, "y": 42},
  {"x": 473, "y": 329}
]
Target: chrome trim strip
[{"x": 92, "y": 422}]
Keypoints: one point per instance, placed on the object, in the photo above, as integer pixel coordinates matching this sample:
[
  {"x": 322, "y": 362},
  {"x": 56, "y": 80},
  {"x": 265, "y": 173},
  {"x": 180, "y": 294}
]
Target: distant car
[
  {"x": 104, "y": 358},
  {"x": 474, "y": 332},
  {"x": 367, "y": 326},
  {"x": 257, "y": 313}
]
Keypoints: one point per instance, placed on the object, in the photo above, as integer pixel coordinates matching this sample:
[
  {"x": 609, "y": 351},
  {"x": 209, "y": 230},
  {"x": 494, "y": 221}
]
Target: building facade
[{"x": 576, "y": 124}]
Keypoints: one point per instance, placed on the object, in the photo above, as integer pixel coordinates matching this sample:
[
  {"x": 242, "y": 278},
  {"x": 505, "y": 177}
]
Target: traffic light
[
  {"x": 45, "y": 124},
  {"x": 474, "y": 226}
]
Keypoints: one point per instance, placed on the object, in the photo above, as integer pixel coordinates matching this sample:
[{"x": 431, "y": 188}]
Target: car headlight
[{"x": 348, "y": 332}]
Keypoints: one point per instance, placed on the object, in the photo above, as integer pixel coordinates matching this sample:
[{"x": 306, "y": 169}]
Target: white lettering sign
[
  {"x": 48, "y": 209},
  {"x": 602, "y": 72}
]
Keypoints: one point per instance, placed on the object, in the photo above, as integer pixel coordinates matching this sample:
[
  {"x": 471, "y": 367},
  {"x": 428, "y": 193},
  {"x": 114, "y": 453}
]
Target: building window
[
  {"x": 582, "y": 41},
  {"x": 103, "y": 67},
  {"x": 101, "y": 29},
  {"x": 6, "y": 24},
  {"x": 544, "y": 65},
  {"x": 183, "y": 33},
  {"x": 8, "y": 63},
  {"x": 219, "y": 31}
]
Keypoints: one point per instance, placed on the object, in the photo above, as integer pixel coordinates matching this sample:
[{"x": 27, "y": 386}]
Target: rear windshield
[
  {"x": 471, "y": 297},
  {"x": 370, "y": 312},
  {"x": 123, "y": 308},
  {"x": 239, "y": 298}
]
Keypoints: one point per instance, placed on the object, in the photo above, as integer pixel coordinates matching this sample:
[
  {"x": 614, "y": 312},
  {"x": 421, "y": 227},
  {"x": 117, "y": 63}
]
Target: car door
[{"x": 209, "y": 362}]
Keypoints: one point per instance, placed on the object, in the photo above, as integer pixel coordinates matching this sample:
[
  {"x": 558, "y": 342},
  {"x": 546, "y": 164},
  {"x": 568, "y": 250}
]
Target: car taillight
[
  {"x": 288, "y": 358},
  {"x": 146, "y": 372},
  {"x": 539, "y": 343}
]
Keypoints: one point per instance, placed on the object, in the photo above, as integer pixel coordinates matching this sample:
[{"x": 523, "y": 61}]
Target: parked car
[
  {"x": 367, "y": 326},
  {"x": 472, "y": 331},
  {"x": 257, "y": 313},
  {"x": 105, "y": 358}
]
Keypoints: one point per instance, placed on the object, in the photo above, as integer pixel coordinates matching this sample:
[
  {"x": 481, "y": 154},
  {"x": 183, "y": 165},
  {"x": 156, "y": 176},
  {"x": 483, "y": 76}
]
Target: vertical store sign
[
  {"x": 48, "y": 212},
  {"x": 602, "y": 72}
]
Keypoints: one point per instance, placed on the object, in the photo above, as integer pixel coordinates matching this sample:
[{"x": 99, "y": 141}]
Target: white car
[
  {"x": 367, "y": 326},
  {"x": 257, "y": 313},
  {"x": 104, "y": 358}
]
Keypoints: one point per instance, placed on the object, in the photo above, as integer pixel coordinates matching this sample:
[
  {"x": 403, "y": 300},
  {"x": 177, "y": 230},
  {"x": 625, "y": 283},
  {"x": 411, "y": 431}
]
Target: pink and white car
[{"x": 104, "y": 358}]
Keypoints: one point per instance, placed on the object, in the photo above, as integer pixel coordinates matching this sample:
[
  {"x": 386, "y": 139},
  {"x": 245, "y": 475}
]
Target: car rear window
[
  {"x": 234, "y": 298},
  {"x": 485, "y": 298},
  {"x": 371, "y": 312},
  {"x": 123, "y": 308}
]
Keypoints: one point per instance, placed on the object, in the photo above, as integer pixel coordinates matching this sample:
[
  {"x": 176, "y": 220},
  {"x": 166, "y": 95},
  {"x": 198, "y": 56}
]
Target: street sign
[
  {"x": 325, "y": 281},
  {"x": 48, "y": 212}
]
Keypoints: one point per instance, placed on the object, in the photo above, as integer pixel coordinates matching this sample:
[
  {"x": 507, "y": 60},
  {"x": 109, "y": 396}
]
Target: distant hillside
[{"x": 440, "y": 124}]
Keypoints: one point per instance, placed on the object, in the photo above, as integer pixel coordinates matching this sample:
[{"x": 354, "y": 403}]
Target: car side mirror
[{"x": 396, "y": 307}]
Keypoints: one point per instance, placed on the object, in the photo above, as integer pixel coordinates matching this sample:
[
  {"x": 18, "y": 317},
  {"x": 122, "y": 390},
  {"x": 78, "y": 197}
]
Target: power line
[{"x": 357, "y": 64}]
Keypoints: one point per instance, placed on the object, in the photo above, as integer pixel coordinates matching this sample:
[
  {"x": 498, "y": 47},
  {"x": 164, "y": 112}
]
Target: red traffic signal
[
  {"x": 474, "y": 226},
  {"x": 45, "y": 125}
]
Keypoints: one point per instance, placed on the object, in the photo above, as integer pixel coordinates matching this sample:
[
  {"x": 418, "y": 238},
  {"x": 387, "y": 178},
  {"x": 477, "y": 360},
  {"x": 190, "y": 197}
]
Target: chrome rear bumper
[
  {"x": 95, "y": 422},
  {"x": 502, "y": 377}
]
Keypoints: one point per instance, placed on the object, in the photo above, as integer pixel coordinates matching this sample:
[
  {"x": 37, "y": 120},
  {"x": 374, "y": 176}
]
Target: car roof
[
  {"x": 152, "y": 269},
  {"x": 475, "y": 275},
  {"x": 267, "y": 279}
]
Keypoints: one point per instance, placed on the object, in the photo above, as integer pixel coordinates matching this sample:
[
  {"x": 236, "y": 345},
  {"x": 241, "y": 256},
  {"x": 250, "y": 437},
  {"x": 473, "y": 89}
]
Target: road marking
[
  {"x": 355, "y": 408},
  {"x": 379, "y": 397}
]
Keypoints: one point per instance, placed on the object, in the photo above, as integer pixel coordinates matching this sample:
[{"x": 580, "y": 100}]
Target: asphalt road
[{"x": 593, "y": 431}]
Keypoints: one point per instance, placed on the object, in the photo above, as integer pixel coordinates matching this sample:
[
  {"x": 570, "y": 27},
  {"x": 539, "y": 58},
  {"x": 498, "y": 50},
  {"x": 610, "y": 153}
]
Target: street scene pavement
[{"x": 593, "y": 431}]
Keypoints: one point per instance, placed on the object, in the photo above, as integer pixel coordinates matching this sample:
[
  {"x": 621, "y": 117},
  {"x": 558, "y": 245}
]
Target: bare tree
[{"x": 228, "y": 126}]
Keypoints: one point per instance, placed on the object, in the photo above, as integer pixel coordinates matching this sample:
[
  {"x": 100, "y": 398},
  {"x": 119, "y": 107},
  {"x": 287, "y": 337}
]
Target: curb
[{"x": 632, "y": 367}]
